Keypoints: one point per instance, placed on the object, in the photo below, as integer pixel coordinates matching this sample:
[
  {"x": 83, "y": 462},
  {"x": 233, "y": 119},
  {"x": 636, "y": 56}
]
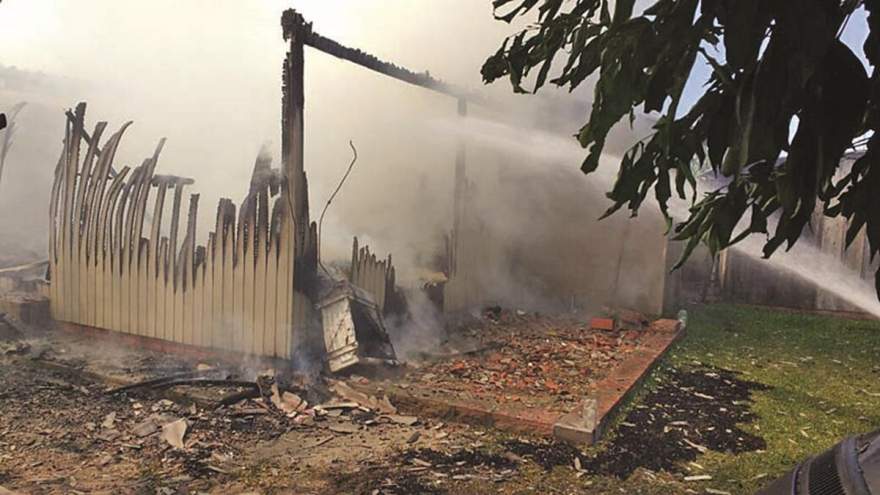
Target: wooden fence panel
[
  {"x": 370, "y": 274},
  {"x": 235, "y": 293}
]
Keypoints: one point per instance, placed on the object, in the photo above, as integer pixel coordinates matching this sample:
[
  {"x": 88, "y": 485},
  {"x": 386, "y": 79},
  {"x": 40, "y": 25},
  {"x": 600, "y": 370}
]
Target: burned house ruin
[
  {"x": 255, "y": 284},
  {"x": 254, "y": 287}
]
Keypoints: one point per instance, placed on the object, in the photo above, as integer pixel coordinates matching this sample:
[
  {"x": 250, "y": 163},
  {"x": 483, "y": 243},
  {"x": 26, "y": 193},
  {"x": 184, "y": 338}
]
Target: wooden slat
[
  {"x": 71, "y": 267},
  {"x": 96, "y": 195},
  {"x": 153, "y": 261},
  {"x": 271, "y": 335},
  {"x": 63, "y": 225},
  {"x": 249, "y": 261},
  {"x": 208, "y": 314},
  {"x": 142, "y": 294},
  {"x": 137, "y": 266},
  {"x": 120, "y": 319},
  {"x": 221, "y": 328},
  {"x": 97, "y": 182},
  {"x": 198, "y": 298},
  {"x": 161, "y": 290},
  {"x": 229, "y": 281},
  {"x": 164, "y": 293},
  {"x": 188, "y": 270},
  {"x": 284, "y": 281},
  {"x": 64, "y": 220},
  {"x": 238, "y": 316},
  {"x": 82, "y": 212},
  {"x": 105, "y": 245},
  {"x": 129, "y": 255},
  {"x": 178, "y": 305},
  {"x": 53, "y": 238},
  {"x": 171, "y": 307},
  {"x": 262, "y": 228}
]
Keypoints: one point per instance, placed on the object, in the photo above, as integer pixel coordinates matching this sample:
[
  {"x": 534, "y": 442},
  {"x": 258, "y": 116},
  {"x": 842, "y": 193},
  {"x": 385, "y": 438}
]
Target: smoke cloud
[{"x": 207, "y": 75}]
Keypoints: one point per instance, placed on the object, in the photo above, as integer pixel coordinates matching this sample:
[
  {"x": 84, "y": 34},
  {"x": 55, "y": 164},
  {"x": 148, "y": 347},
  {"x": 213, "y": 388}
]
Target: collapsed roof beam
[{"x": 355, "y": 56}]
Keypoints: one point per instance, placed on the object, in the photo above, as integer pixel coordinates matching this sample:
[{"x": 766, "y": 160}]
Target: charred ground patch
[
  {"x": 427, "y": 471},
  {"x": 689, "y": 412},
  {"x": 385, "y": 482}
]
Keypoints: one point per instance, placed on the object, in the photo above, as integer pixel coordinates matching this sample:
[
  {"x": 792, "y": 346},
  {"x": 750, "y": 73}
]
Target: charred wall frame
[{"x": 251, "y": 287}]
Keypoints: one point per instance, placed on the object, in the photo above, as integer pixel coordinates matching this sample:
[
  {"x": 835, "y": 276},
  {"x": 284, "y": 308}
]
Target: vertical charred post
[{"x": 296, "y": 31}]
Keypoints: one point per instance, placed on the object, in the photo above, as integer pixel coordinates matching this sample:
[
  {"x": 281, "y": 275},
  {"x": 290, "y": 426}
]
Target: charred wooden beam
[
  {"x": 88, "y": 140},
  {"x": 422, "y": 79}
]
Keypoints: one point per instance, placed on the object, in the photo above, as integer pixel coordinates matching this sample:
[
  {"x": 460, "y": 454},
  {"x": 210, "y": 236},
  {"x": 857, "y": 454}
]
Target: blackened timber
[
  {"x": 422, "y": 79},
  {"x": 291, "y": 22},
  {"x": 86, "y": 138}
]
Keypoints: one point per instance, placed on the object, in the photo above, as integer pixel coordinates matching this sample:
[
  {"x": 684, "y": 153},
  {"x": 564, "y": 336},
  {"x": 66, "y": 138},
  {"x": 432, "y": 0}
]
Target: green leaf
[
  {"x": 623, "y": 10},
  {"x": 745, "y": 22},
  {"x": 522, "y": 8}
]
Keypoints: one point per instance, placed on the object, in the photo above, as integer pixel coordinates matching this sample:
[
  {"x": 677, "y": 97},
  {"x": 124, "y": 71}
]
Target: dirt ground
[{"x": 61, "y": 432}]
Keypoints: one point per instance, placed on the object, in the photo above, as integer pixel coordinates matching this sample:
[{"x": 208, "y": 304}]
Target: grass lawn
[
  {"x": 824, "y": 375},
  {"x": 823, "y": 384}
]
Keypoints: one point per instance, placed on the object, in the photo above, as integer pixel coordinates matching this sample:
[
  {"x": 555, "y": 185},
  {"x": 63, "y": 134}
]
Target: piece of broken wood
[
  {"x": 345, "y": 391},
  {"x": 285, "y": 401},
  {"x": 174, "y": 432},
  {"x": 156, "y": 381},
  {"x": 236, "y": 397}
]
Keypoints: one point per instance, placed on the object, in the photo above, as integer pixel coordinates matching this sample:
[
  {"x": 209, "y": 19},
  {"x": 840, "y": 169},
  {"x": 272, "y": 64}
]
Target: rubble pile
[
  {"x": 529, "y": 358},
  {"x": 166, "y": 422},
  {"x": 80, "y": 417}
]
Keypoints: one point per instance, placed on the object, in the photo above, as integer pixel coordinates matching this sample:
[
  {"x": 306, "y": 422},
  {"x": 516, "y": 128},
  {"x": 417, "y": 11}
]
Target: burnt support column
[
  {"x": 295, "y": 31},
  {"x": 302, "y": 261}
]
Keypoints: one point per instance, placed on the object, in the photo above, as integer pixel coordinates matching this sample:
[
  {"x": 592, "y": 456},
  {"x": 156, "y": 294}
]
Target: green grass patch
[{"x": 825, "y": 379}]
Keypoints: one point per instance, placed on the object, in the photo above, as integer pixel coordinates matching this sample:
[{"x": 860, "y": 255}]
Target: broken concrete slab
[{"x": 578, "y": 428}]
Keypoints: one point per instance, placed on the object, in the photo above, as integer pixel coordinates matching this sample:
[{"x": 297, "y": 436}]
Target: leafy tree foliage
[{"x": 773, "y": 62}]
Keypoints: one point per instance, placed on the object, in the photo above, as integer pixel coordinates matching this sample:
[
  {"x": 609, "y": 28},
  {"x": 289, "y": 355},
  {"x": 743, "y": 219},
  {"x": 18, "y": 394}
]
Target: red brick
[
  {"x": 665, "y": 325},
  {"x": 630, "y": 320},
  {"x": 609, "y": 395},
  {"x": 602, "y": 324}
]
